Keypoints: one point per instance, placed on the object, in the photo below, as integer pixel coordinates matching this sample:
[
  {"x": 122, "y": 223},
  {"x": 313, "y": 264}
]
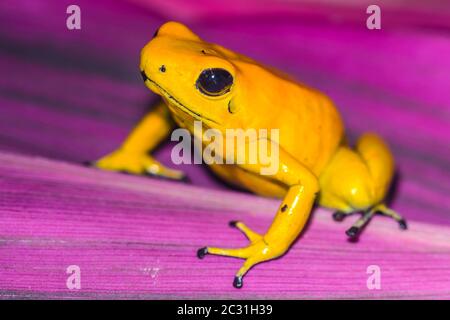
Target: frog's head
[{"x": 199, "y": 80}]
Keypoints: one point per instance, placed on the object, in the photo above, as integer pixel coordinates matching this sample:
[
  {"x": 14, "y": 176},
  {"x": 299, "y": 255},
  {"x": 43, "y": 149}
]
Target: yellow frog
[{"x": 201, "y": 81}]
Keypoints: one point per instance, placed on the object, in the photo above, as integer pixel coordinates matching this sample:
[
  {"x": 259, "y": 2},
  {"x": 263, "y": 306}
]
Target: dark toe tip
[
  {"x": 232, "y": 223},
  {"x": 237, "y": 283},
  {"x": 338, "y": 216},
  {"x": 202, "y": 252},
  {"x": 352, "y": 232},
  {"x": 403, "y": 225},
  {"x": 186, "y": 179}
]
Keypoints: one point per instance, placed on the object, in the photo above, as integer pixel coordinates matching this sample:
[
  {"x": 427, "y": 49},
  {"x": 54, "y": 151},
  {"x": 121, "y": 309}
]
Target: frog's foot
[
  {"x": 137, "y": 163},
  {"x": 356, "y": 228},
  {"x": 382, "y": 209},
  {"x": 256, "y": 252}
]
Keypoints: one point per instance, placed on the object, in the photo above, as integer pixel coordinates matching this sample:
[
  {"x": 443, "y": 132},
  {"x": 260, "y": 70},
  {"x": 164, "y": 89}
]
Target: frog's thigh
[
  {"x": 346, "y": 183},
  {"x": 239, "y": 177}
]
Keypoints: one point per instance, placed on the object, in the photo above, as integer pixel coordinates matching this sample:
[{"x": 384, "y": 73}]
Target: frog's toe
[
  {"x": 402, "y": 223},
  {"x": 340, "y": 215},
  {"x": 119, "y": 161},
  {"x": 166, "y": 173},
  {"x": 353, "y": 232},
  {"x": 249, "y": 233},
  {"x": 362, "y": 222},
  {"x": 238, "y": 282},
  {"x": 202, "y": 252},
  {"x": 185, "y": 179},
  {"x": 236, "y": 253},
  {"x": 382, "y": 209}
]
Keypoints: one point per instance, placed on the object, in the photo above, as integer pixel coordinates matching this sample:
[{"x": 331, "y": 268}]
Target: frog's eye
[{"x": 214, "y": 82}]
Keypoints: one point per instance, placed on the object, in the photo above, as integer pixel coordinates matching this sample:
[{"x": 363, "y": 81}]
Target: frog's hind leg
[
  {"x": 366, "y": 216},
  {"x": 359, "y": 225},
  {"x": 382, "y": 209},
  {"x": 357, "y": 180},
  {"x": 356, "y": 228}
]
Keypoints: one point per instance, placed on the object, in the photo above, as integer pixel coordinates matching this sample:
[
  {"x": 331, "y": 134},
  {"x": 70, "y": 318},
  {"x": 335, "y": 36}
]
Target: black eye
[{"x": 214, "y": 82}]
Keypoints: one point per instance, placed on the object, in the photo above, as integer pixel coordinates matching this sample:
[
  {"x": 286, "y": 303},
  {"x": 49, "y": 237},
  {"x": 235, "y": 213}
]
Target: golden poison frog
[{"x": 201, "y": 81}]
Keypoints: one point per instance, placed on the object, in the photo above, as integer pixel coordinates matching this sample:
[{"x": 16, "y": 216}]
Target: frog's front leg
[
  {"x": 132, "y": 156},
  {"x": 289, "y": 221}
]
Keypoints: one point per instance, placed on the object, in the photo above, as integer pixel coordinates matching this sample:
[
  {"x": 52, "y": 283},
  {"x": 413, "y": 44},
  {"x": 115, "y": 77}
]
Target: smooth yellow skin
[{"x": 313, "y": 152}]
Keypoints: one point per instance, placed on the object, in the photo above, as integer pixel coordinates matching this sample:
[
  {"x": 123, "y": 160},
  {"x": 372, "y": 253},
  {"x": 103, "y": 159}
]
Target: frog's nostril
[
  {"x": 162, "y": 68},
  {"x": 144, "y": 76}
]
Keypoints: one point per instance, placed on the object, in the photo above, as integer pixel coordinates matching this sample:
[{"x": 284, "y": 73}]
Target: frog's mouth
[{"x": 181, "y": 106}]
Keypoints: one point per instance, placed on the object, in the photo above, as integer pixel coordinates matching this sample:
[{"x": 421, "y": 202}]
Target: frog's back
[
  {"x": 310, "y": 127},
  {"x": 312, "y": 130}
]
